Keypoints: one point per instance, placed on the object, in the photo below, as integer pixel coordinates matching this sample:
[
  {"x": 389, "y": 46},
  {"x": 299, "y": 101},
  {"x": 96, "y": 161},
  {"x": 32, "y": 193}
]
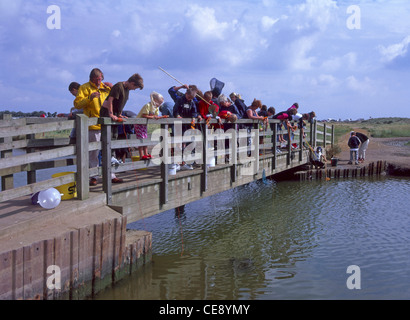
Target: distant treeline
[{"x": 19, "y": 114}]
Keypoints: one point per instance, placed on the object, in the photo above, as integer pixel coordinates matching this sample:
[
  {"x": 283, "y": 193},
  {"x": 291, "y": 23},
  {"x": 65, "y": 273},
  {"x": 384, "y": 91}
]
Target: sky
[{"x": 342, "y": 59}]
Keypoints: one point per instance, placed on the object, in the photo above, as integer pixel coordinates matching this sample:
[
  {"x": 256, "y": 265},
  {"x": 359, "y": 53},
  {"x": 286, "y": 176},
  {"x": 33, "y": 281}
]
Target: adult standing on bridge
[
  {"x": 90, "y": 98},
  {"x": 364, "y": 144}
]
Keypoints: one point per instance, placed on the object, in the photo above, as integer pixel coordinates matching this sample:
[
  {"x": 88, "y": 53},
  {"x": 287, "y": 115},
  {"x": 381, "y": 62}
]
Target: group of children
[
  {"x": 213, "y": 104},
  {"x": 102, "y": 99}
]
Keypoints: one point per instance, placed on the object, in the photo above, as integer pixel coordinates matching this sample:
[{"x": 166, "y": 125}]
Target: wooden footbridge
[{"x": 86, "y": 237}]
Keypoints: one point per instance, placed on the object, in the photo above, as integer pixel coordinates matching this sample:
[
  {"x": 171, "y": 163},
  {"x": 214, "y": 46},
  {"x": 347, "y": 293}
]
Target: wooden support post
[
  {"x": 31, "y": 175},
  {"x": 314, "y": 145},
  {"x": 7, "y": 182},
  {"x": 324, "y": 136},
  {"x": 83, "y": 176},
  {"x": 289, "y": 147},
  {"x": 256, "y": 165},
  {"x": 312, "y": 132},
  {"x": 234, "y": 148},
  {"x": 106, "y": 159},
  {"x": 164, "y": 164},
  {"x": 300, "y": 145},
  {"x": 275, "y": 146},
  {"x": 204, "y": 175}
]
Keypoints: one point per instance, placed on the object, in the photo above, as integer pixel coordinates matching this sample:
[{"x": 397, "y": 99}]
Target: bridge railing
[
  {"x": 27, "y": 146},
  {"x": 38, "y": 148}
]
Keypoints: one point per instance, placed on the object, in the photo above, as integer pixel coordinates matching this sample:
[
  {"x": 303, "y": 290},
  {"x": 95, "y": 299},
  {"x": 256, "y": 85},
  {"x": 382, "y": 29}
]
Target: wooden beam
[{"x": 82, "y": 153}]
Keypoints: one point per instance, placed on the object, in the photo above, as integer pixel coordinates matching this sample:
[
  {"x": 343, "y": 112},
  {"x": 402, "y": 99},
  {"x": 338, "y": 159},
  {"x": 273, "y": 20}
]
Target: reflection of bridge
[{"x": 86, "y": 236}]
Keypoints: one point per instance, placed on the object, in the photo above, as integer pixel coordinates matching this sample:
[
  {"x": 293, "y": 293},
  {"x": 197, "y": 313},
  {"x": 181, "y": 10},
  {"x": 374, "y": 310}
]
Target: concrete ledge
[
  {"x": 83, "y": 262},
  {"x": 86, "y": 241}
]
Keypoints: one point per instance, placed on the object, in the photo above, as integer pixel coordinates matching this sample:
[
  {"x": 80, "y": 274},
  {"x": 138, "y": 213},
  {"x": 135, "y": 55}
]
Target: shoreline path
[{"x": 395, "y": 151}]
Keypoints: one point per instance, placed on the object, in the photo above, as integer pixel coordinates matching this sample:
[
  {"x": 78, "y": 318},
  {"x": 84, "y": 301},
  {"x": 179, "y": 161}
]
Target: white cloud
[
  {"x": 268, "y": 22},
  {"x": 348, "y": 61},
  {"x": 364, "y": 86},
  {"x": 393, "y": 51},
  {"x": 316, "y": 13},
  {"x": 60, "y": 75},
  {"x": 299, "y": 53},
  {"x": 328, "y": 80},
  {"x": 147, "y": 35},
  {"x": 275, "y": 50},
  {"x": 116, "y": 33},
  {"x": 205, "y": 23}
]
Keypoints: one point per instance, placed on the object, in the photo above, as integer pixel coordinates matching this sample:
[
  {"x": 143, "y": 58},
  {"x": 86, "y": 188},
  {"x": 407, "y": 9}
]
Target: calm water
[{"x": 286, "y": 240}]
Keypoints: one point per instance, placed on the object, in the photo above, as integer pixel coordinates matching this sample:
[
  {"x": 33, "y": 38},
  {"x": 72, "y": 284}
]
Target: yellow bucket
[
  {"x": 137, "y": 158},
  {"x": 68, "y": 190}
]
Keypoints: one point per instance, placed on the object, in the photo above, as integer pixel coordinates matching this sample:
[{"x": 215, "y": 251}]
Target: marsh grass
[
  {"x": 53, "y": 134},
  {"x": 66, "y": 133},
  {"x": 388, "y": 127},
  {"x": 387, "y": 132},
  {"x": 378, "y": 128}
]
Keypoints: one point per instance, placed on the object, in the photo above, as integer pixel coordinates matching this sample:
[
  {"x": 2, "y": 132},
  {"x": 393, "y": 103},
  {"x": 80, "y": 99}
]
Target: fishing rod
[
  {"x": 327, "y": 178},
  {"x": 183, "y": 85}
]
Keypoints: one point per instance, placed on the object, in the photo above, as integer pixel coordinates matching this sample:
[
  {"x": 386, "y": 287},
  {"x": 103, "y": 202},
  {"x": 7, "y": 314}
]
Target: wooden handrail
[{"x": 19, "y": 134}]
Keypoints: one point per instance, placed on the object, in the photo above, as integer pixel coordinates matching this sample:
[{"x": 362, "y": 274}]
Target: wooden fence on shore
[{"x": 42, "y": 153}]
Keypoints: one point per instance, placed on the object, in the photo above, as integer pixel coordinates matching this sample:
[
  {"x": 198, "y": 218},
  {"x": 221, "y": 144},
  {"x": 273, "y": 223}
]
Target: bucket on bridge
[
  {"x": 334, "y": 162},
  {"x": 211, "y": 163},
  {"x": 68, "y": 190},
  {"x": 137, "y": 158},
  {"x": 172, "y": 169}
]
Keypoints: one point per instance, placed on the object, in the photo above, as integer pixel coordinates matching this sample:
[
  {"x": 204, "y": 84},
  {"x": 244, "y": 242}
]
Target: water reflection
[{"x": 286, "y": 240}]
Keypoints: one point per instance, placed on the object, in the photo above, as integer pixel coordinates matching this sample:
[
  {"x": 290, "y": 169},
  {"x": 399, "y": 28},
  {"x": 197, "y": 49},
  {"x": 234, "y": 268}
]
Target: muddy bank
[
  {"x": 395, "y": 151},
  {"x": 398, "y": 170}
]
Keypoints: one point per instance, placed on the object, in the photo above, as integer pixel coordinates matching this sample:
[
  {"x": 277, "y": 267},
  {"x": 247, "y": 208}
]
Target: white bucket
[
  {"x": 211, "y": 163},
  {"x": 172, "y": 169}
]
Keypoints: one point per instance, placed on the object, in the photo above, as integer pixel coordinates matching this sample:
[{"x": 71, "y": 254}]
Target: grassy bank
[
  {"x": 388, "y": 127},
  {"x": 377, "y": 128}
]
